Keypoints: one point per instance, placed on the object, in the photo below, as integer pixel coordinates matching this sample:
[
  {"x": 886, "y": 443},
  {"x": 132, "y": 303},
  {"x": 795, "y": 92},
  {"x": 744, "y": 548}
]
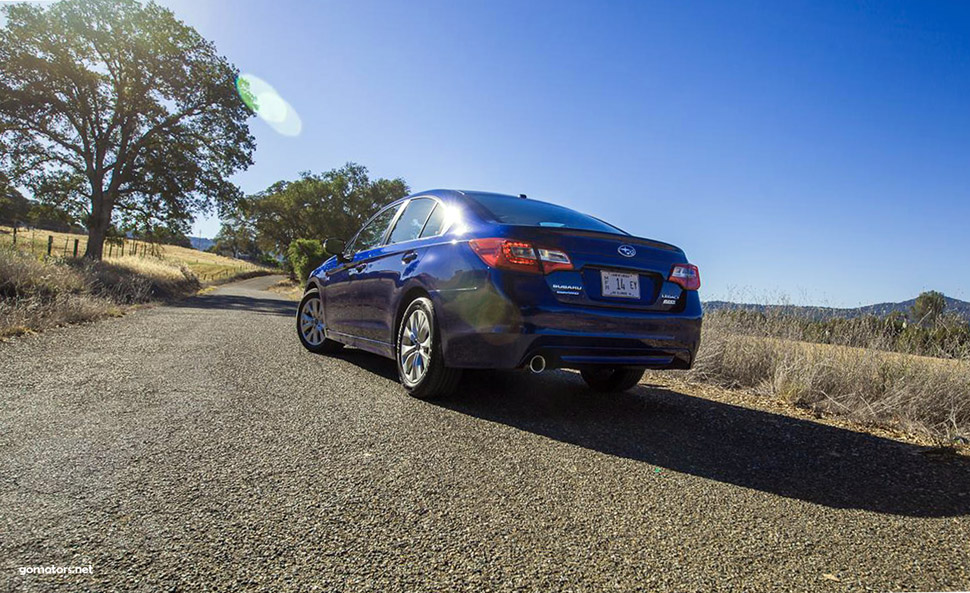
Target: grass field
[
  {"x": 208, "y": 267},
  {"x": 913, "y": 393},
  {"x": 38, "y": 292}
]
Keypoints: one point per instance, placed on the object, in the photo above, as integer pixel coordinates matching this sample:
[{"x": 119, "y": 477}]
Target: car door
[
  {"x": 386, "y": 269},
  {"x": 340, "y": 294},
  {"x": 338, "y": 308},
  {"x": 366, "y": 246}
]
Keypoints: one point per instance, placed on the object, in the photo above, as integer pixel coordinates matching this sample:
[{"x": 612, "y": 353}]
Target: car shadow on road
[
  {"x": 772, "y": 453},
  {"x": 371, "y": 363},
  {"x": 229, "y": 302},
  {"x": 768, "y": 452}
]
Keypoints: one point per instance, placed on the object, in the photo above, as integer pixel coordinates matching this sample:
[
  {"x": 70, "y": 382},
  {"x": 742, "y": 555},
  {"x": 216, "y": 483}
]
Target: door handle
[
  {"x": 360, "y": 267},
  {"x": 409, "y": 257}
]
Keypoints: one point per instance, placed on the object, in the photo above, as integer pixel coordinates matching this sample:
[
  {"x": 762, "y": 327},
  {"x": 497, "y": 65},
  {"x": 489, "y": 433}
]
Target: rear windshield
[{"x": 522, "y": 211}]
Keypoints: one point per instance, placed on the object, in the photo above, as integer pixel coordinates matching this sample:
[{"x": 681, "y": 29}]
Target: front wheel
[
  {"x": 420, "y": 361},
  {"x": 612, "y": 380},
  {"x": 310, "y": 325}
]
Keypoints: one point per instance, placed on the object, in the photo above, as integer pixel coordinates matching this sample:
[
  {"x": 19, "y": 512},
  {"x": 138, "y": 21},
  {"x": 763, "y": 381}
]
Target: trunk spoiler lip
[{"x": 629, "y": 239}]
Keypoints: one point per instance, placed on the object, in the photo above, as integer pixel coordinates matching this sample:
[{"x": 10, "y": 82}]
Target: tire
[
  {"x": 612, "y": 380},
  {"x": 310, "y": 325},
  {"x": 418, "y": 353}
]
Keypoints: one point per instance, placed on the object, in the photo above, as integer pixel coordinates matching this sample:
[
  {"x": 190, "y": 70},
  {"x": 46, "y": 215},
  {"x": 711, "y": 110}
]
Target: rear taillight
[
  {"x": 553, "y": 260},
  {"x": 518, "y": 255},
  {"x": 686, "y": 275}
]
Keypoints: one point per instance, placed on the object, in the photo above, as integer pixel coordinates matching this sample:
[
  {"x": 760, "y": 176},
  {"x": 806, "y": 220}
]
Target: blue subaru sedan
[{"x": 447, "y": 280}]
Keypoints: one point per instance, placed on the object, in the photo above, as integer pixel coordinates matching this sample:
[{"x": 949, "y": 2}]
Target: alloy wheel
[
  {"x": 415, "y": 347},
  {"x": 311, "y": 322}
]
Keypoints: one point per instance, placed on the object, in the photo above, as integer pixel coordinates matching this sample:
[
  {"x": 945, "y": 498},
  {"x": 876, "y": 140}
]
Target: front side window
[
  {"x": 370, "y": 236},
  {"x": 412, "y": 220}
]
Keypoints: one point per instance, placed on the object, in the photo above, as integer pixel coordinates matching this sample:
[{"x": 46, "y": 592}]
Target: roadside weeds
[{"x": 37, "y": 294}]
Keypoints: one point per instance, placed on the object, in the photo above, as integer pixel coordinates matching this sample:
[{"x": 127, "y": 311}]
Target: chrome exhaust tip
[{"x": 537, "y": 364}]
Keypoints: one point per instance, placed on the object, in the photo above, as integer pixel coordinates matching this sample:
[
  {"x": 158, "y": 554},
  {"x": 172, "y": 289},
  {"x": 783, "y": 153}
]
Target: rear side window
[
  {"x": 412, "y": 220},
  {"x": 435, "y": 222},
  {"x": 525, "y": 212},
  {"x": 370, "y": 236}
]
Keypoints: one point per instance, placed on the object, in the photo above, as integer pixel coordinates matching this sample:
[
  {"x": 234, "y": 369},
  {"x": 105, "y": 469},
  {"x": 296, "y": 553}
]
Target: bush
[{"x": 304, "y": 256}]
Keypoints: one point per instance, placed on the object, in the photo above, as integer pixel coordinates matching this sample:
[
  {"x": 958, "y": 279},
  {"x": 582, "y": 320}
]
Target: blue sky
[{"x": 814, "y": 152}]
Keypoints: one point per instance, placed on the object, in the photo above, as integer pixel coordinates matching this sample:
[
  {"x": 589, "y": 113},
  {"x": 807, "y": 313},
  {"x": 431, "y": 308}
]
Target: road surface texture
[{"x": 198, "y": 447}]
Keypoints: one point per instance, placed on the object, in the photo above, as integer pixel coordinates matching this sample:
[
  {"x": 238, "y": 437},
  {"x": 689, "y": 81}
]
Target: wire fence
[{"x": 45, "y": 244}]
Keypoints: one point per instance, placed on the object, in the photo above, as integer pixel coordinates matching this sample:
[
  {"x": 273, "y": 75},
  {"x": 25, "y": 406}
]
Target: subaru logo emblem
[{"x": 626, "y": 250}]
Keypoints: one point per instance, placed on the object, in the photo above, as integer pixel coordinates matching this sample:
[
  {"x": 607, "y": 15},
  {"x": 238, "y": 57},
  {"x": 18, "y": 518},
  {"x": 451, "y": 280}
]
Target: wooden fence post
[
  {"x": 15, "y": 233},
  {"x": 122, "y": 248},
  {"x": 50, "y": 244},
  {"x": 75, "y": 247},
  {"x": 65, "y": 246}
]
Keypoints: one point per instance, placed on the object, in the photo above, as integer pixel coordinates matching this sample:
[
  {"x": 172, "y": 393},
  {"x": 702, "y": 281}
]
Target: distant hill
[
  {"x": 201, "y": 243},
  {"x": 957, "y": 306}
]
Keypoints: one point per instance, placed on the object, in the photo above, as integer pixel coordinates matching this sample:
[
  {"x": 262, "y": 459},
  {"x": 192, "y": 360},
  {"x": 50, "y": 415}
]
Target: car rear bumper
[{"x": 482, "y": 328}]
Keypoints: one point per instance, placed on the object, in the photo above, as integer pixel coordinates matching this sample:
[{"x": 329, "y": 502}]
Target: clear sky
[{"x": 815, "y": 151}]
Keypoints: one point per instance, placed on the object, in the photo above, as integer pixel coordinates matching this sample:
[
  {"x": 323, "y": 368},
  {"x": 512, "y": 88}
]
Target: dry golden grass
[
  {"x": 870, "y": 386},
  {"x": 289, "y": 288},
  {"x": 208, "y": 267},
  {"x": 37, "y": 294}
]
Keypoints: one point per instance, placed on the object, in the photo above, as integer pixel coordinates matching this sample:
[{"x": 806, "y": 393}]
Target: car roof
[{"x": 455, "y": 194}]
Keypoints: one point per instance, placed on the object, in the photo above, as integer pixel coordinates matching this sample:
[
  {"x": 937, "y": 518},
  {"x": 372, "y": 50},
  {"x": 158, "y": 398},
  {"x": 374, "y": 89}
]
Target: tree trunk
[
  {"x": 98, "y": 227},
  {"x": 96, "y": 234}
]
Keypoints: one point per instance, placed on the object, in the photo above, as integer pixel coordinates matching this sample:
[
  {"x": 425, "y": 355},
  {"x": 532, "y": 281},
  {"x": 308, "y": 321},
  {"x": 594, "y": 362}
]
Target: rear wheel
[
  {"x": 612, "y": 380},
  {"x": 311, "y": 327},
  {"x": 420, "y": 361}
]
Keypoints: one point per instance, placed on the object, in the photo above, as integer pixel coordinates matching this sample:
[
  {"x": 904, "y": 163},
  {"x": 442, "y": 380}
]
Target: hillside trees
[
  {"x": 314, "y": 207},
  {"x": 927, "y": 330},
  {"x": 236, "y": 238},
  {"x": 121, "y": 110},
  {"x": 928, "y": 308}
]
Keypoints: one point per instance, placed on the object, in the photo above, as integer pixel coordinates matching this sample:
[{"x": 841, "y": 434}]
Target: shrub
[
  {"x": 23, "y": 275},
  {"x": 304, "y": 256}
]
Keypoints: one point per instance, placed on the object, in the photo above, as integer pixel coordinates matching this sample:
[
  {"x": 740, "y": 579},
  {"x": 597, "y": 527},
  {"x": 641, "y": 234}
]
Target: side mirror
[{"x": 335, "y": 247}]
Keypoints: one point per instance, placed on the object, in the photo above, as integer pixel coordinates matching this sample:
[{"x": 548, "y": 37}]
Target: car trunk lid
[{"x": 610, "y": 270}]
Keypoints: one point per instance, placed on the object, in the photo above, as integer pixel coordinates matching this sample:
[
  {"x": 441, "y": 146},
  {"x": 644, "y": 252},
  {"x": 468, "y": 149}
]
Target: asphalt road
[{"x": 198, "y": 447}]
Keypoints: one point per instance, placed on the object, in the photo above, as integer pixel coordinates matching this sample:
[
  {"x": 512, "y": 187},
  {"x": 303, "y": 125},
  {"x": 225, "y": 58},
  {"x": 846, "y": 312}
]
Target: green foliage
[
  {"x": 332, "y": 204},
  {"x": 121, "y": 110},
  {"x": 13, "y": 205},
  {"x": 237, "y": 238},
  {"x": 164, "y": 235},
  {"x": 304, "y": 256},
  {"x": 928, "y": 307},
  {"x": 49, "y": 216}
]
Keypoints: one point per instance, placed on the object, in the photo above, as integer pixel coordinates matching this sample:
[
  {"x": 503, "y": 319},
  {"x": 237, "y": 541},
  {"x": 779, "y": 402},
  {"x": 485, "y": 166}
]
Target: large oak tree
[
  {"x": 317, "y": 206},
  {"x": 122, "y": 106}
]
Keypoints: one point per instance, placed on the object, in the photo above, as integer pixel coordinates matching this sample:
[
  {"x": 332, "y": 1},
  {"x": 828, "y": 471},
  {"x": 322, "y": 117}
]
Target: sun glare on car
[{"x": 266, "y": 103}]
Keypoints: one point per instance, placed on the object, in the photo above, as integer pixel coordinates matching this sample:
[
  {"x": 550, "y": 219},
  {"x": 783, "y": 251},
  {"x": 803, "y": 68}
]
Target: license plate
[{"x": 616, "y": 284}]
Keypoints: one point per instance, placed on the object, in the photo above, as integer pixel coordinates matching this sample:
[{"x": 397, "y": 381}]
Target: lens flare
[{"x": 268, "y": 105}]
